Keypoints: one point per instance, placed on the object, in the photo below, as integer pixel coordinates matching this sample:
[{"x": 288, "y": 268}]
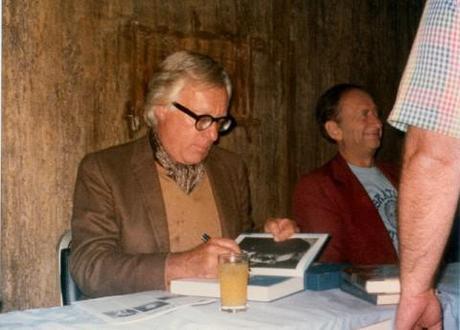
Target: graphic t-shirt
[{"x": 383, "y": 195}]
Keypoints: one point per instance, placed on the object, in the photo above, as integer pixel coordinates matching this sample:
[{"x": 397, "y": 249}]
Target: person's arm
[
  {"x": 99, "y": 263},
  {"x": 200, "y": 262},
  {"x": 429, "y": 193}
]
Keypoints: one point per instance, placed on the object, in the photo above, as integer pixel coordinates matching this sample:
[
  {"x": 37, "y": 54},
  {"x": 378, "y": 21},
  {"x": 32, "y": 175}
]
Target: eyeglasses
[{"x": 203, "y": 122}]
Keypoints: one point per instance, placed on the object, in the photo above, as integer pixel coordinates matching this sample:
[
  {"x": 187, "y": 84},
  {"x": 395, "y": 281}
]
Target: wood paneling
[{"x": 73, "y": 71}]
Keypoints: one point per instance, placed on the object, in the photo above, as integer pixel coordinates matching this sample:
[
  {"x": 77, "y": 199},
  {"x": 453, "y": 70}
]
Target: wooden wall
[{"x": 74, "y": 70}]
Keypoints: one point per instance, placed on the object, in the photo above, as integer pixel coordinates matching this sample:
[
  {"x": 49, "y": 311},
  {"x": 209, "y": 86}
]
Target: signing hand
[
  {"x": 200, "y": 261},
  {"x": 281, "y": 228}
]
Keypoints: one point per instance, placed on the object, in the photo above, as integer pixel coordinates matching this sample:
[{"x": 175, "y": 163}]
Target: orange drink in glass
[{"x": 233, "y": 280}]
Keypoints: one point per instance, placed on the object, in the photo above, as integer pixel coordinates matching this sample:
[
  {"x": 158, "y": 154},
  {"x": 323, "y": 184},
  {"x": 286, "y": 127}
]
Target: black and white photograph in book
[{"x": 265, "y": 252}]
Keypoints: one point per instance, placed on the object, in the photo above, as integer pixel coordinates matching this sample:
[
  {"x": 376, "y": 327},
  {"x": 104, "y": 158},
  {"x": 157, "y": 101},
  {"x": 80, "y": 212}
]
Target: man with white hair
[{"x": 141, "y": 208}]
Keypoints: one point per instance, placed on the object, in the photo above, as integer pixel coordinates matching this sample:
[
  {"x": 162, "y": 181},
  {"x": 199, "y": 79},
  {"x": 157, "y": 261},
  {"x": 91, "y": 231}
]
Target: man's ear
[
  {"x": 160, "y": 111},
  {"x": 333, "y": 130}
]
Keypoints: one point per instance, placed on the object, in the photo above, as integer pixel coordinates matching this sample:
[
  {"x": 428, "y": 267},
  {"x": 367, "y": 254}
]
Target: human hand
[
  {"x": 422, "y": 311},
  {"x": 199, "y": 262},
  {"x": 281, "y": 228}
]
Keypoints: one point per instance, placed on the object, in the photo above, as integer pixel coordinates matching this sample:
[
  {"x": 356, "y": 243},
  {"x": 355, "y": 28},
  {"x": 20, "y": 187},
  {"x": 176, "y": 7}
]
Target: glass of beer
[{"x": 233, "y": 280}]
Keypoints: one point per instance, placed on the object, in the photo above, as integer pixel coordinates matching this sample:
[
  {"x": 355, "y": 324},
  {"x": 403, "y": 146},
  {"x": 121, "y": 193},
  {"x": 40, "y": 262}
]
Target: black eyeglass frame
[{"x": 224, "y": 123}]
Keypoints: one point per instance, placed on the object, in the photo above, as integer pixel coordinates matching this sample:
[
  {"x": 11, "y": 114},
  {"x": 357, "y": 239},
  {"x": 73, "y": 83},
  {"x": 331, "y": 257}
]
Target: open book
[{"x": 276, "y": 268}]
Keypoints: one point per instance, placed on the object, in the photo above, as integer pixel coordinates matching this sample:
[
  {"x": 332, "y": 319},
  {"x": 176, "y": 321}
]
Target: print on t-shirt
[{"x": 383, "y": 195}]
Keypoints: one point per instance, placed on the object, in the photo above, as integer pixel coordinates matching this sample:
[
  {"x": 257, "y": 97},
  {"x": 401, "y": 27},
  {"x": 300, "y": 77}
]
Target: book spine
[
  {"x": 323, "y": 276},
  {"x": 354, "y": 279},
  {"x": 357, "y": 292}
]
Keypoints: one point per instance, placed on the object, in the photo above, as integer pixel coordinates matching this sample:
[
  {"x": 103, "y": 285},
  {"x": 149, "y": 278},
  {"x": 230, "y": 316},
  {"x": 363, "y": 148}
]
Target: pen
[{"x": 205, "y": 237}]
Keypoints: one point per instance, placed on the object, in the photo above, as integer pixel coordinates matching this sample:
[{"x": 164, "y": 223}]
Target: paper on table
[{"x": 131, "y": 308}]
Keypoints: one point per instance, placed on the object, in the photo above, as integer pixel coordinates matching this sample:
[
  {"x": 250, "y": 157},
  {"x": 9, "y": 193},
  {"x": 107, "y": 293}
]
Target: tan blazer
[{"x": 119, "y": 229}]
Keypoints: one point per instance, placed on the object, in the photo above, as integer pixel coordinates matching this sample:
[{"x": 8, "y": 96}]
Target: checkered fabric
[{"x": 429, "y": 93}]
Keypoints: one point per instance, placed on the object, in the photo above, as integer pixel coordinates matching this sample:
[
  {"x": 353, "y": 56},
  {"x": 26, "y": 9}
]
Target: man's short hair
[
  {"x": 174, "y": 72},
  {"x": 327, "y": 107}
]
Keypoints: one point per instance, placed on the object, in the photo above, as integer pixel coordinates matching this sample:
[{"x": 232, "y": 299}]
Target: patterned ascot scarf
[{"x": 185, "y": 176}]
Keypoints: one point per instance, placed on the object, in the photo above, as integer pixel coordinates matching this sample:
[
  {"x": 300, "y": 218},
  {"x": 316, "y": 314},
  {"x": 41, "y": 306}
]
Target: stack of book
[{"x": 377, "y": 284}]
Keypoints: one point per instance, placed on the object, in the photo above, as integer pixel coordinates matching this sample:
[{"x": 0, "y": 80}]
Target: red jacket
[{"x": 331, "y": 200}]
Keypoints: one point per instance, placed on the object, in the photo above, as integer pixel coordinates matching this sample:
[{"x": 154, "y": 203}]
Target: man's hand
[
  {"x": 419, "y": 312},
  {"x": 281, "y": 228},
  {"x": 200, "y": 261}
]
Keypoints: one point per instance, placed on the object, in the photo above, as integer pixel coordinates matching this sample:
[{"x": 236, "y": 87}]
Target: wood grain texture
[{"x": 72, "y": 71}]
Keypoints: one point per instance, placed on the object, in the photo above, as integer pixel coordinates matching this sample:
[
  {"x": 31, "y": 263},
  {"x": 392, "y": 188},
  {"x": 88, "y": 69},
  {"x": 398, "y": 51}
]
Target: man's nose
[
  {"x": 212, "y": 132},
  {"x": 375, "y": 120}
]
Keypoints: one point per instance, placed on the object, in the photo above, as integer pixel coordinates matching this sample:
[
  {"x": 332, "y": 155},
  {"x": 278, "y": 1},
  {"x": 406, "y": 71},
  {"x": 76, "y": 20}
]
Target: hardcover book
[
  {"x": 260, "y": 287},
  {"x": 374, "y": 298},
  {"x": 374, "y": 278},
  {"x": 276, "y": 268}
]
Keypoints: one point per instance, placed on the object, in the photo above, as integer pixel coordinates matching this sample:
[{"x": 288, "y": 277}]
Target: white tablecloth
[{"x": 331, "y": 309}]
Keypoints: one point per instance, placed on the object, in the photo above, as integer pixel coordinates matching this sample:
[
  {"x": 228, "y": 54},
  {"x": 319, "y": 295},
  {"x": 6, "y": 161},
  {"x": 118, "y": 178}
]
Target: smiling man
[
  {"x": 352, "y": 197},
  {"x": 141, "y": 208}
]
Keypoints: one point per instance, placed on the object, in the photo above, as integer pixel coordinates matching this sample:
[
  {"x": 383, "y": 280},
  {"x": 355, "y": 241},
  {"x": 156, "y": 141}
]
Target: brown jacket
[{"x": 119, "y": 229}]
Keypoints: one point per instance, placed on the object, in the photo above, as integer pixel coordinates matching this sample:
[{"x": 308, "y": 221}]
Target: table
[{"x": 331, "y": 309}]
